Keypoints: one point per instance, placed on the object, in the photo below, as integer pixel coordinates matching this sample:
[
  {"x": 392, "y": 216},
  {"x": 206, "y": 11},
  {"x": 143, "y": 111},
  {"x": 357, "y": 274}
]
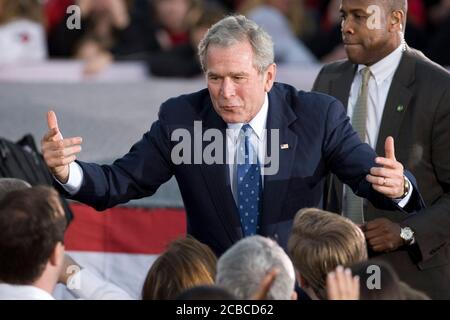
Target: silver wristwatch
[{"x": 407, "y": 235}]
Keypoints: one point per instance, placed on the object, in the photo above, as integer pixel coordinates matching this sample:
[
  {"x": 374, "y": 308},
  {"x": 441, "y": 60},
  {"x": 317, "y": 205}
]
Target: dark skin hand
[{"x": 383, "y": 235}]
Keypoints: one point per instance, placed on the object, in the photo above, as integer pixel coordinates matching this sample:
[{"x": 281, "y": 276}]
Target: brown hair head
[
  {"x": 185, "y": 264},
  {"x": 320, "y": 241}
]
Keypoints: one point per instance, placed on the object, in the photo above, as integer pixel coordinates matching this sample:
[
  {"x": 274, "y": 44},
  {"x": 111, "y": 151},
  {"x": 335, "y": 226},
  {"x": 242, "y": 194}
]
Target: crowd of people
[
  {"x": 327, "y": 260},
  {"x": 165, "y": 33}
]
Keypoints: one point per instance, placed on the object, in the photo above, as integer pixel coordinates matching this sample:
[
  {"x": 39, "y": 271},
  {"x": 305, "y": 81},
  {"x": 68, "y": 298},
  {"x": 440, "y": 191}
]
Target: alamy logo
[
  {"x": 209, "y": 147},
  {"x": 74, "y": 20},
  {"x": 374, "y": 20},
  {"x": 374, "y": 280},
  {"x": 73, "y": 283}
]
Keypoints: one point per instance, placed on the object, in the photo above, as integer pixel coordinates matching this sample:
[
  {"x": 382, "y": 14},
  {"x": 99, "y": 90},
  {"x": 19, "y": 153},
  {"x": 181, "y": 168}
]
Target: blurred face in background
[
  {"x": 172, "y": 13},
  {"x": 282, "y": 5}
]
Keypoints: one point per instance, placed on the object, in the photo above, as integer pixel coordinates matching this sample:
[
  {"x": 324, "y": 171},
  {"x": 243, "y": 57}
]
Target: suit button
[{"x": 275, "y": 236}]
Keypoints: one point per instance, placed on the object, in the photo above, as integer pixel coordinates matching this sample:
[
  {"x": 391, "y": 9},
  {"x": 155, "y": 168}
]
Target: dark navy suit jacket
[{"x": 320, "y": 140}]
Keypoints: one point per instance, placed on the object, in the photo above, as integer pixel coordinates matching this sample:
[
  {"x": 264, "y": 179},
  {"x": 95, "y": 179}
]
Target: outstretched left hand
[{"x": 388, "y": 179}]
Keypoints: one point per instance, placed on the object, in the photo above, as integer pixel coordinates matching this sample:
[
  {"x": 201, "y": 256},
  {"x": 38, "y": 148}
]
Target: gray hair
[
  {"x": 235, "y": 29},
  {"x": 242, "y": 268},
  {"x": 11, "y": 184}
]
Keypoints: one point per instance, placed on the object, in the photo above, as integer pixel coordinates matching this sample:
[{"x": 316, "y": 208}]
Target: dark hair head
[
  {"x": 185, "y": 264},
  {"x": 32, "y": 223},
  {"x": 206, "y": 293},
  {"x": 378, "y": 281}
]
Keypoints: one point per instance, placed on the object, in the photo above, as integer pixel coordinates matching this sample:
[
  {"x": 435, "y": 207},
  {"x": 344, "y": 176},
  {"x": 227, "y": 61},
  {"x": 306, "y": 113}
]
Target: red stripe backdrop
[{"x": 124, "y": 230}]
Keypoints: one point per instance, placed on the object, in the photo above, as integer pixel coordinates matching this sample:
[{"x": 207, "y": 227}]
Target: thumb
[
  {"x": 389, "y": 149},
  {"x": 52, "y": 123}
]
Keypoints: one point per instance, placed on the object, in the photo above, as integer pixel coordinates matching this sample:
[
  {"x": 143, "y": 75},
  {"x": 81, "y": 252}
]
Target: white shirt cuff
[
  {"x": 86, "y": 285},
  {"x": 404, "y": 201},
  {"x": 75, "y": 180}
]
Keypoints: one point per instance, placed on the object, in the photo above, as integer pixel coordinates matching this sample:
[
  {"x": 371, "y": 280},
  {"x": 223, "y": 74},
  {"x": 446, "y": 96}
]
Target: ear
[
  {"x": 301, "y": 281},
  {"x": 57, "y": 256},
  {"x": 269, "y": 77},
  {"x": 294, "y": 295},
  {"x": 397, "y": 18}
]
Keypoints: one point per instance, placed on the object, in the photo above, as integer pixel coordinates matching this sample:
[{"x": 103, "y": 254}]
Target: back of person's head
[
  {"x": 210, "y": 292},
  {"x": 32, "y": 224},
  {"x": 378, "y": 281},
  {"x": 185, "y": 264},
  {"x": 11, "y": 184},
  {"x": 319, "y": 242},
  {"x": 242, "y": 268}
]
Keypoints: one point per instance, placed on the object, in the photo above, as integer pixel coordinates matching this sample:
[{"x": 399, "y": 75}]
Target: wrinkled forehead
[
  {"x": 349, "y": 5},
  {"x": 238, "y": 52}
]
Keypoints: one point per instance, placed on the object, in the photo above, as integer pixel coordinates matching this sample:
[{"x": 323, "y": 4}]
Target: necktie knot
[
  {"x": 246, "y": 129},
  {"x": 365, "y": 72}
]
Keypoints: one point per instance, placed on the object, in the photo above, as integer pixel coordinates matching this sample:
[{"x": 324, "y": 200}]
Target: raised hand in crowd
[{"x": 341, "y": 285}]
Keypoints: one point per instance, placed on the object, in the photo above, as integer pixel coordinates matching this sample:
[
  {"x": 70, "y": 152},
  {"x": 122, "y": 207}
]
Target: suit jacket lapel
[
  {"x": 217, "y": 178},
  {"x": 340, "y": 86},
  {"x": 280, "y": 116},
  {"x": 397, "y": 100},
  {"x": 340, "y": 89}
]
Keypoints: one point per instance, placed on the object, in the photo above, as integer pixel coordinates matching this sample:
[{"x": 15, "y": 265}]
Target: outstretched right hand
[{"x": 59, "y": 152}]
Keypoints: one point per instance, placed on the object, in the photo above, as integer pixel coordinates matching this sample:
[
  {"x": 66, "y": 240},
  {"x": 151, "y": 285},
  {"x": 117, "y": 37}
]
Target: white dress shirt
[
  {"x": 88, "y": 286},
  {"x": 84, "y": 285},
  {"x": 23, "y": 292},
  {"x": 380, "y": 81},
  {"x": 258, "y": 140}
]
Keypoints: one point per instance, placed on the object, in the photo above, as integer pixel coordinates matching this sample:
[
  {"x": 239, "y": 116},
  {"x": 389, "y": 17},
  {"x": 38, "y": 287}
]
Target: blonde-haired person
[
  {"x": 185, "y": 264},
  {"x": 319, "y": 242},
  {"x": 22, "y": 33}
]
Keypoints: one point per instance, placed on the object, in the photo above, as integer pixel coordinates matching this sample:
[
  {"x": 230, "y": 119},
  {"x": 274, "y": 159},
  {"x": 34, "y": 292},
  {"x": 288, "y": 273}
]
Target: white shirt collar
[
  {"x": 258, "y": 123},
  {"x": 386, "y": 67},
  {"x": 23, "y": 292}
]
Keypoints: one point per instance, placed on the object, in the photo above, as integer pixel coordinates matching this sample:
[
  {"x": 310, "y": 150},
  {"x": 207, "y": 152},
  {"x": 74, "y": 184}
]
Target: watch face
[{"x": 406, "y": 233}]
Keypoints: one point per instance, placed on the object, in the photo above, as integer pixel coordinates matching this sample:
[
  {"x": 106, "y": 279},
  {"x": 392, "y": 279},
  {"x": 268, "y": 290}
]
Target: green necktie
[{"x": 354, "y": 209}]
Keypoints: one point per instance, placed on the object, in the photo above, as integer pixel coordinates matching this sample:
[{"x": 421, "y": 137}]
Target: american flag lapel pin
[{"x": 284, "y": 146}]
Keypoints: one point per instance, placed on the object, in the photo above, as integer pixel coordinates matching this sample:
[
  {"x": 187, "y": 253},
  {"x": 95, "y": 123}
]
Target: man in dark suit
[
  {"x": 409, "y": 99},
  {"x": 308, "y": 136}
]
